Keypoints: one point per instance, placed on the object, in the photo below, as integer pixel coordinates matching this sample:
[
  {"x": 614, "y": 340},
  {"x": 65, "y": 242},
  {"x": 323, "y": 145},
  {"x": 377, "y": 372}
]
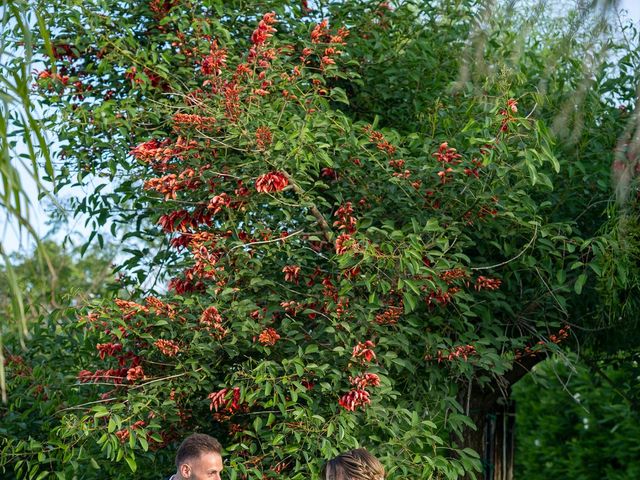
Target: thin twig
[{"x": 535, "y": 234}]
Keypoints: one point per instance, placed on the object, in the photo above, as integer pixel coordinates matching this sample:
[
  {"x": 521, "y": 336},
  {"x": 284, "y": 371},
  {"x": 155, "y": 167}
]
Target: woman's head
[{"x": 356, "y": 464}]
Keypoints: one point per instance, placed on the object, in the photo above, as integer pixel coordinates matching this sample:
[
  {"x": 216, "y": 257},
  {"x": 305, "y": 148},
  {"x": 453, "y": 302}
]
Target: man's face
[{"x": 207, "y": 466}]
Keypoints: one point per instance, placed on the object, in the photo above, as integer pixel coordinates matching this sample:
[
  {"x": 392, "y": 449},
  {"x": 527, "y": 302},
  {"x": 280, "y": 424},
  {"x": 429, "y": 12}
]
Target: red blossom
[
  {"x": 167, "y": 347},
  {"x": 213, "y": 63},
  {"x": 319, "y": 31},
  {"x": 365, "y": 380},
  {"x": 487, "y": 283},
  {"x": 363, "y": 351},
  {"x": 123, "y": 435},
  {"x": 108, "y": 349},
  {"x": 218, "y": 202},
  {"x": 459, "y": 352},
  {"x": 130, "y": 309},
  {"x": 182, "y": 120},
  {"x": 211, "y": 320},
  {"x": 444, "y": 175},
  {"x": 449, "y": 276},
  {"x": 135, "y": 373},
  {"x": 390, "y": 316},
  {"x": 261, "y": 34},
  {"x": 115, "y": 375},
  {"x": 446, "y": 155},
  {"x": 263, "y": 137},
  {"x": 354, "y": 399},
  {"x": 346, "y": 221},
  {"x": 218, "y": 400},
  {"x": 329, "y": 173},
  {"x": 291, "y": 273},
  {"x": 378, "y": 138},
  {"x": 150, "y": 150},
  {"x": 292, "y": 307},
  {"x": 271, "y": 182},
  {"x": 269, "y": 336},
  {"x": 183, "y": 220},
  {"x": 345, "y": 243},
  {"x": 182, "y": 286},
  {"x": 161, "y": 308}
]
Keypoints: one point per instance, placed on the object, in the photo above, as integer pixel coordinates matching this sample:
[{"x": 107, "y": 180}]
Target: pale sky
[
  {"x": 633, "y": 6},
  {"x": 12, "y": 240}
]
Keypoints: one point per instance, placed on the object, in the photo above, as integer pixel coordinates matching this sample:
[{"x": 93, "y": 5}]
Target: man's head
[
  {"x": 356, "y": 464},
  {"x": 199, "y": 458}
]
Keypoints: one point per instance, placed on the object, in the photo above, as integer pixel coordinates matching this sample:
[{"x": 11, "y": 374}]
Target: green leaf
[
  {"x": 131, "y": 461},
  {"x": 580, "y": 281}
]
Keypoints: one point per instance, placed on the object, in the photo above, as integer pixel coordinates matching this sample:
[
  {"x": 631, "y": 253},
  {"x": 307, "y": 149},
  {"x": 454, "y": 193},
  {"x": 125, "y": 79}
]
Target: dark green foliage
[
  {"x": 579, "y": 421},
  {"x": 528, "y": 207}
]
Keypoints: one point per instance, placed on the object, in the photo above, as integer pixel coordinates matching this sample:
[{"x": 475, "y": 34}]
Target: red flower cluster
[
  {"x": 123, "y": 435},
  {"x": 365, "y": 380},
  {"x": 218, "y": 202},
  {"x": 345, "y": 243},
  {"x": 130, "y": 309},
  {"x": 354, "y": 399},
  {"x": 319, "y": 31},
  {"x": 475, "y": 169},
  {"x": 115, "y": 375},
  {"x": 397, "y": 164},
  {"x": 48, "y": 75},
  {"x": 378, "y": 138},
  {"x": 442, "y": 297},
  {"x": 271, "y": 182},
  {"x": 168, "y": 185},
  {"x": 269, "y": 336},
  {"x": 261, "y": 34},
  {"x": 446, "y": 155},
  {"x": 167, "y": 347},
  {"x": 183, "y": 220},
  {"x": 213, "y": 63},
  {"x": 449, "y": 276},
  {"x": 183, "y": 120},
  {"x": 507, "y": 114},
  {"x": 219, "y": 400},
  {"x": 563, "y": 334},
  {"x": 390, "y": 316},
  {"x": 108, "y": 349},
  {"x": 483, "y": 282},
  {"x": 263, "y": 137},
  {"x": 363, "y": 351},
  {"x": 135, "y": 373},
  {"x": 346, "y": 221},
  {"x": 329, "y": 173},
  {"x": 161, "y": 308},
  {"x": 321, "y": 34},
  {"x": 291, "y": 273},
  {"x": 152, "y": 151},
  {"x": 212, "y": 320},
  {"x": 461, "y": 351}
]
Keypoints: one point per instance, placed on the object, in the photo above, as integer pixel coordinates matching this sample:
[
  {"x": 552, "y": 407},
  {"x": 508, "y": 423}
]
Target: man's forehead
[{"x": 211, "y": 459}]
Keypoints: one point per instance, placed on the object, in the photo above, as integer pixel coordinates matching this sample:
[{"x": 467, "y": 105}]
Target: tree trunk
[
  {"x": 494, "y": 438},
  {"x": 493, "y": 412}
]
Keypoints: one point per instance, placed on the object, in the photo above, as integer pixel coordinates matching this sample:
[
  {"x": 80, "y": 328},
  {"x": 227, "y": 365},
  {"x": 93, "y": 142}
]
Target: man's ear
[{"x": 185, "y": 470}]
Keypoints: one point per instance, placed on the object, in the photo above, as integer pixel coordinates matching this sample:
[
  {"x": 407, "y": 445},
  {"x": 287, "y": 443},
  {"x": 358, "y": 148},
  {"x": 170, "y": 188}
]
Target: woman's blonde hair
[{"x": 356, "y": 464}]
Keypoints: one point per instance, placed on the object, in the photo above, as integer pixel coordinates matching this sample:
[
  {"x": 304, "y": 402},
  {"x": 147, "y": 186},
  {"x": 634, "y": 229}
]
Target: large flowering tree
[{"x": 333, "y": 283}]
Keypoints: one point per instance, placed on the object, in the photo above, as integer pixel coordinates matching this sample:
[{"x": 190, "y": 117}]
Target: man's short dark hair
[{"x": 195, "y": 445}]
